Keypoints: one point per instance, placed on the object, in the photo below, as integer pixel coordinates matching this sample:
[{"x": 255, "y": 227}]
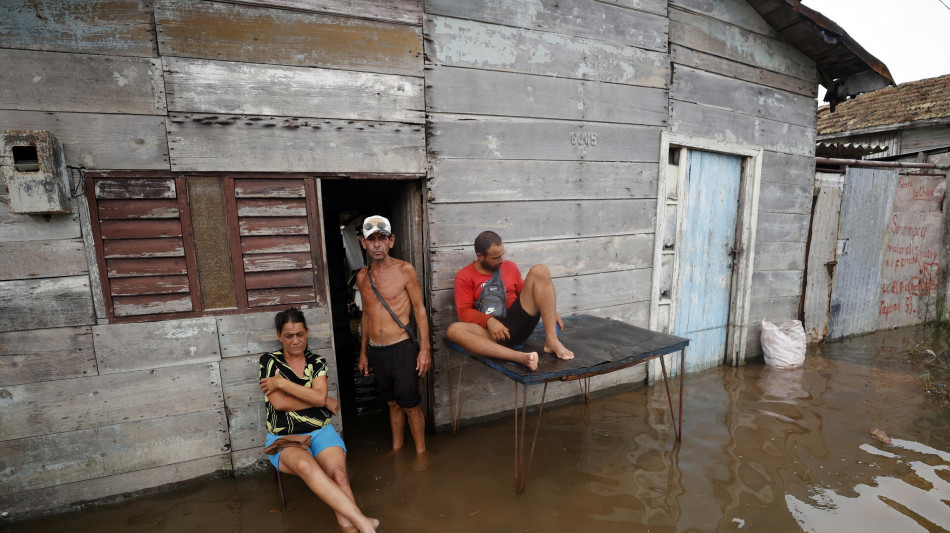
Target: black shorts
[
  {"x": 519, "y": 323},
  {"x": 395, "y": 369}
]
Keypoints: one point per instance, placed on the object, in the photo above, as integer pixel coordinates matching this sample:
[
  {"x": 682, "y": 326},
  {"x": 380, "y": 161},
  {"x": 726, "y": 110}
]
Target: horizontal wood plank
[
  {"x": 42, "y": 259},
  {"x": 242, "y": 144},
  {"x": 749, "y": 98},
  {"x": 275, "y": 244},
  {"x": 278, "y": 279},
  {"x": 119, "y": 209},
  {"x": 196, "y": 86},
  {"x": 787, "y": 168},
  {"x": 100, "y": 141},
  {"x": 45, "y": 303},
  {"x": 98, "y": 401},
  {"x": 782, "y": 227},
  {"x": 467, "y": 43},
  {"x": 151, "y": 266},
  {"x": 110, "y": 27},
  {"x": 779, "y": 256},
  {"x": 406, "y": 11},
  {"x": 148, "y": 285},
  {"x": 151, "y": 304},
  {"x": 574, "y": 257},
  {"x": 283, "y": 296},
  {"x": 296, "y": 207},
  {"x": 254, "y": 333},
  {"x": 729, "y": 126},
  {"x": 777, "y": 283},
  {"x": 146, "y": 345},
  {"x": 49, "y": 460},
  {"x": 36, "y": 355},
  {"x": 785, "y": 198},
  {"x": 484, "y": 92},
  {"x": 578, "y": 18},
  {"x": 736, "y": 13},
  {"x": 719, "y": 38},
  {"x": 140, "y": 229},
  {"x": 15, "y": 228},
  {"x": 269, "y": 188},
  {"x": 273, "y": 226},
  {"x": 228, "y": 32},
  {"x": 474, "y": 180},
  {"x": 525, "y": 139},
  {"x": 30, "y": 502},
  {"x": 680, "y": 55},
  {"x": 52, "y": 81},
  {"x": 143, "y": 248},
  {"x": 458, "y": 224},
  {"x": 270, "y": 262},
  {"x": 135, "y": 189}
]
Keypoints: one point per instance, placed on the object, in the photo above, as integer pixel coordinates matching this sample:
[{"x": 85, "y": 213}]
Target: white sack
[{"x": 783, "y": 345}]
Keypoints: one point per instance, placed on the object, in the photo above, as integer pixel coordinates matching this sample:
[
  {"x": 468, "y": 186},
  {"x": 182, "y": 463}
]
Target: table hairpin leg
[
  {"x": 521, "y": 468},
  {"x": 678, "y": 431},
  {"x": 455, "y": 410}
]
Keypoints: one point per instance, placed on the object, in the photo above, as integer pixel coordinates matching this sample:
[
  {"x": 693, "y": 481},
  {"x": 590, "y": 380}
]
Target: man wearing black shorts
[
  {"x": 528, "y": 301},
  {"x": 397, "y": 361}
]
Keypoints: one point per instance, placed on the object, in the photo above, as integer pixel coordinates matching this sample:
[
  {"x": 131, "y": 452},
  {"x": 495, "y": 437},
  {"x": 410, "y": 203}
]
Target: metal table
[{"x": 600, "y": 346}]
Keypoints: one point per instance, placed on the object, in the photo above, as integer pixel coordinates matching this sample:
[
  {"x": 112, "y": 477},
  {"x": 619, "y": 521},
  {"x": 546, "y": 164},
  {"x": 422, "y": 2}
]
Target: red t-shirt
[{"x": 468, "y": 287}]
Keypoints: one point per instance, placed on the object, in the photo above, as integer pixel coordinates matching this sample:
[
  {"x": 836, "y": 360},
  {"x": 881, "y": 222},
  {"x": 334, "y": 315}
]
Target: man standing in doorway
[
  {"x": 390, "y": 290},
  {"x": 491, "y": 332}
]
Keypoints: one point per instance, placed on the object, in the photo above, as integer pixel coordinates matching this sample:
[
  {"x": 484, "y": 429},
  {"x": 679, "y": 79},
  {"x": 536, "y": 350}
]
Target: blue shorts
[{"x": 321, "y": 439}]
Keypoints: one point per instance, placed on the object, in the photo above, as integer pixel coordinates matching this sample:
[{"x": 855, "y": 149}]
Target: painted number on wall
[{"x": 584, "y": 139}]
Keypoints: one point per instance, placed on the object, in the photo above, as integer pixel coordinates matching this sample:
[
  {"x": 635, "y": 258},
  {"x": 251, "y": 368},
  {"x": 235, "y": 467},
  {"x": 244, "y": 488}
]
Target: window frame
[{"x": 313, "y": 203}]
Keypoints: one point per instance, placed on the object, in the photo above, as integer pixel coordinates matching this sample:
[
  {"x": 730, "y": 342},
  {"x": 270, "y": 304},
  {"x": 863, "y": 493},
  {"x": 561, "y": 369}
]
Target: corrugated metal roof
[
  {"x": 845, "y": 68},
  {"x": 916, "y": 101}
]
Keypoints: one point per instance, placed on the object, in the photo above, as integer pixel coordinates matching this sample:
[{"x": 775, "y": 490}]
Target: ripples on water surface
[{"x": 763, "y": 450}]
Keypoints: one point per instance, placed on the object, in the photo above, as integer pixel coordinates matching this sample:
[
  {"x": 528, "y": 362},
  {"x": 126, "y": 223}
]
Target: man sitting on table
[{"x": 526, "y": 302}]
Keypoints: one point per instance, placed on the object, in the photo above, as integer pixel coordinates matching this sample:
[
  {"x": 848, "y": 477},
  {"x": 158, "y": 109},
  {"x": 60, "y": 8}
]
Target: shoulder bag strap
[{"x": 383, "y": 301}]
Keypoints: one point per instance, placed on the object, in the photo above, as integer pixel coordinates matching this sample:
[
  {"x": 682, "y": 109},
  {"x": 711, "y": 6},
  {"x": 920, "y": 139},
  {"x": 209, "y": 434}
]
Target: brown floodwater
[{"x": 763, "y": 450}]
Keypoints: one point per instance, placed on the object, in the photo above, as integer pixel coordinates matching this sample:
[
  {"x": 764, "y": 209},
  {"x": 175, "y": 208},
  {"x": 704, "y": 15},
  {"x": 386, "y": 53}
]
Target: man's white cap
[{"x": 376, "y": 223}]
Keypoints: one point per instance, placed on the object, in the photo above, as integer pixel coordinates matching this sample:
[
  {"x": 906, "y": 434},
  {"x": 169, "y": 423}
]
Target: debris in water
[{"x": 881, "y": 436}]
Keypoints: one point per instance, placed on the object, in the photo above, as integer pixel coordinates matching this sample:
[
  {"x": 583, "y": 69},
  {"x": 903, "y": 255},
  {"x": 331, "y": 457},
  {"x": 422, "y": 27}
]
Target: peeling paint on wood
[
  {"x": 229, "y": 32},
  {"x": 111, "y": 27},
  {"x": 141, "y": 346},
  {"x": 202, "y": 86},
  {"x": 54, "y": 81},
  {"x": 579, "y": 18},
  {"x": 472, "y": 44}
]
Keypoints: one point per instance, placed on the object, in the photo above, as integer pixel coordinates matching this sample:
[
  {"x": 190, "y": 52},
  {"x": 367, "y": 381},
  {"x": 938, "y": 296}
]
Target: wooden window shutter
[
  {"x": 276, "y": 240},
  {"x": 139, "y": 227}
]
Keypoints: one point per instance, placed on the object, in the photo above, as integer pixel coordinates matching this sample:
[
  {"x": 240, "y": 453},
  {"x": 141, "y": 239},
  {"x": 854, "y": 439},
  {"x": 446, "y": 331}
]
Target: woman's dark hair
[{"x": 291, "y": 315}]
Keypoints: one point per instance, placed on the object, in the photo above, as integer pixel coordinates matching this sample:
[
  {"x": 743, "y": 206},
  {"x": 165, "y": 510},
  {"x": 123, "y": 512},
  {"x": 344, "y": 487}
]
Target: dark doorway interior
[{"x": 346, "y": 202}]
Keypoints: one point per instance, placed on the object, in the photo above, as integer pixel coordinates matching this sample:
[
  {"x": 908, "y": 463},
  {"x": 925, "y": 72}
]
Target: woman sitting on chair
[{"x": 300, "y": 438}]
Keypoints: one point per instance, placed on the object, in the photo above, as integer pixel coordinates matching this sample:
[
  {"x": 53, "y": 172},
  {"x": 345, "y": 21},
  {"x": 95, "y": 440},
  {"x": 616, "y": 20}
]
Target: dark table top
[{"x": 600, "y": 345}]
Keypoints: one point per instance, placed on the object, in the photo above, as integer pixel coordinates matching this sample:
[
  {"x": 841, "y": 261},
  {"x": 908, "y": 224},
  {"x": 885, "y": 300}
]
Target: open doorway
[{"x": 346, "y": 202}]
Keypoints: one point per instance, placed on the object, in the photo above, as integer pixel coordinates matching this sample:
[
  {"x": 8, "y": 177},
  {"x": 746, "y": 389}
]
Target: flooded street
[{"x": 763, "y": 450}]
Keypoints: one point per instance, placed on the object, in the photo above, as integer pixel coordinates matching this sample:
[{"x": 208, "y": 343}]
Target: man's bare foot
[
  {"x": 422, "y": 462},
  {"x": 531, "y": 361},
  {"x": 558, "y": 349}
]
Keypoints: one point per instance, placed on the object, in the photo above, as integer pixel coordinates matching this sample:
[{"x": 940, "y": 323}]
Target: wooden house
[{"x": 206, "y": 154}]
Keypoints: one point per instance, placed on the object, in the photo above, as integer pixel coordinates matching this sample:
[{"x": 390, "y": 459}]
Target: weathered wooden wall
[
  {"x": 736, "y": 80},
  {"x": 544, "y": 127},
  {"x": 309, "y": 86}
]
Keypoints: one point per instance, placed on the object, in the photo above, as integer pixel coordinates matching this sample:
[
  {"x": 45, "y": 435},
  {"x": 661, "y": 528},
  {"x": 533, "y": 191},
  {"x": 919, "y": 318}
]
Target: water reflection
[{"x": 762, "y": 450}]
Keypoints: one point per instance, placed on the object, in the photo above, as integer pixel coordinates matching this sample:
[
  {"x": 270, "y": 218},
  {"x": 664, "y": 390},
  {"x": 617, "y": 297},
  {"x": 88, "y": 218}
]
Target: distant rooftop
[{"x": 922, "y": 101}]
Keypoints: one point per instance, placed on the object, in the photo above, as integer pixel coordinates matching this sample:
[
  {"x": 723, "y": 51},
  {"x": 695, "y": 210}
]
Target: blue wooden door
[{"x": 705, "y": 258}]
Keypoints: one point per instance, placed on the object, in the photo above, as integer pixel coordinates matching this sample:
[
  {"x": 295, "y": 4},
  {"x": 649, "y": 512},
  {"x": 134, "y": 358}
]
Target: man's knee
[
  {"x": 540, "y": 271},
  {"x": 455, "y": 328},
  {"x": 393, "y": 406}
]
